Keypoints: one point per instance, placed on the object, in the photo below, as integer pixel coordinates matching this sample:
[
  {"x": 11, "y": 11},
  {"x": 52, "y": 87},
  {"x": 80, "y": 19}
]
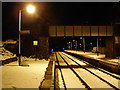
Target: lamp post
[
  {"x": 19, "y": 37},
  {"x": 30, "y": 9}
]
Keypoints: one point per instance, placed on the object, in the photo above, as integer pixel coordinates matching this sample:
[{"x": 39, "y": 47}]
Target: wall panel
[
  {"x": 60, "y": 30},
  {"x": 86, "y": 30},
  {"x": 109, "y": 30},
  {"x": 77, "y": 31},
  {"x": 102, "y": 30},
  {"x": 80, "y": 31},
  {"x": 68, "y": 30},
  {"x": 94, "y": 30}
]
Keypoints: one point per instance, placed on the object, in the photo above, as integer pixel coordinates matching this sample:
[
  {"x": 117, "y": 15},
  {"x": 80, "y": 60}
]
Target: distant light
[
  {"x": 69, "y": 42},
  {"x": 35, "y": 42},
  {"x": 91, "y": 43},
  {"x": 63, "y": 48},
  {"x": 73, "y": 40},
  {"x": 31, "y": 9},
  {"x": 51, "y": 50},
  {"x": 80, "y": 37}
]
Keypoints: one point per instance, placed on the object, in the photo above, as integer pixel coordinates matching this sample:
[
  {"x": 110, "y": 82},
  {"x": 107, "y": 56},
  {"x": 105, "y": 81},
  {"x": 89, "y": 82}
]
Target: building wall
[
  {"x": 116, "y": 40},
  {"x": 39, "y": 32},
  {"x": 113, "y": 43},
  {"x": 109, "y": 47},
  {"x": 43, "y": 47},
  {"x": 40, "y": 51}
]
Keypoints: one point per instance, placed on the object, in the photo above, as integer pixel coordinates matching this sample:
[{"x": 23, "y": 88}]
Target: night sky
[{"x": 60, "y": 13}]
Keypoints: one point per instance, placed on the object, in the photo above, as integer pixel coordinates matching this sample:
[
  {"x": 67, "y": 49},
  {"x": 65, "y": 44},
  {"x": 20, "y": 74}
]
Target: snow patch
[
  {"x": 5, "y": 54},
  {"x": 14, "y": 76}
]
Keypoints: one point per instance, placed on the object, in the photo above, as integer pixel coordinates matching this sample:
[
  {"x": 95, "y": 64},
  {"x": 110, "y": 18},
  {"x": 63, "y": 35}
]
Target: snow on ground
[
  {"x": 91, "y": 80},
  {"x": 61, "y": 61},
  {"x": 14, "y": 76},
  {"x": 9, "y": 41},
  {"x": 60, "y": 80},
  {"x": 99, "y": 73},
  {"x": 69, "y": 61},
  {"x": 5, "y": 54},
  {"x": 75, "y": 59},
  {"x": 70, "y": 78},
  {"x": 89, "y": 54},
  {"x": 107, "y": 77},
  {"x": 115, "y": 60},
  {"x": 92, "y": 55}
]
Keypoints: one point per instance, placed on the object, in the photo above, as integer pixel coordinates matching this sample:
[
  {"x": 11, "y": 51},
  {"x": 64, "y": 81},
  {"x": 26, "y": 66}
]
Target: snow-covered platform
[
  {"x": 100, "y": 61},
  {"x": 14, "y": 76}
]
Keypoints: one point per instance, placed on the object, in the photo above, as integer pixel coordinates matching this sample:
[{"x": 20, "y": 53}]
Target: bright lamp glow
[
  {"x": 31, "y": 9},
  {"x": 52, "y": 50},
  {"x": 63, "y": 48}
]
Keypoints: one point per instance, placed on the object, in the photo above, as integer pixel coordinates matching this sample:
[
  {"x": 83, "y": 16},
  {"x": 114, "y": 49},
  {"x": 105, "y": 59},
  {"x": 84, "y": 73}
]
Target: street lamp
[{"x": 30, "y": 9}]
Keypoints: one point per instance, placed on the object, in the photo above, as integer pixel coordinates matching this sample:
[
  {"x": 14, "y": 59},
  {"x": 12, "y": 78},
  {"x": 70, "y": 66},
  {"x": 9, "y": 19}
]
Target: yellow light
[
  {"x": 31, "y": 9},
  {"x": 35, "y": 42}
]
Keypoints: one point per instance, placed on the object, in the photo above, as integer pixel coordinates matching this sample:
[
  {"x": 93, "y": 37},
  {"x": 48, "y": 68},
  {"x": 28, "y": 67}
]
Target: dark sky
[{"x": 60, "y": 13}]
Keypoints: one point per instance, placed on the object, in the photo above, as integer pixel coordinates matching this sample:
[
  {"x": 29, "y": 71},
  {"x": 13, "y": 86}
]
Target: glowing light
[
  {"x": 73, "y": 40},
  {"x": 35, "y": 42},
  {"x": 91, "y": 43},
  {"x": 63, "y": 48},
  {"x": 51, "y": 50},
  {"x": 80, "y": 37},
  {"x": 31, "y": 9}
]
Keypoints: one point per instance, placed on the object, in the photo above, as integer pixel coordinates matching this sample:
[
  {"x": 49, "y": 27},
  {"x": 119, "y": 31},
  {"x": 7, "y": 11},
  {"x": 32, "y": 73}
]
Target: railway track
[
  {"x": 104, "y": 71},
  {"x": 82, "y": 72}
]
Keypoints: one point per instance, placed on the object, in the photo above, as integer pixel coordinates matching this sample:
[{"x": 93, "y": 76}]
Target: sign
[
  {"x": 25, "y": 32},
  {"x": 35, "y": 42}
]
